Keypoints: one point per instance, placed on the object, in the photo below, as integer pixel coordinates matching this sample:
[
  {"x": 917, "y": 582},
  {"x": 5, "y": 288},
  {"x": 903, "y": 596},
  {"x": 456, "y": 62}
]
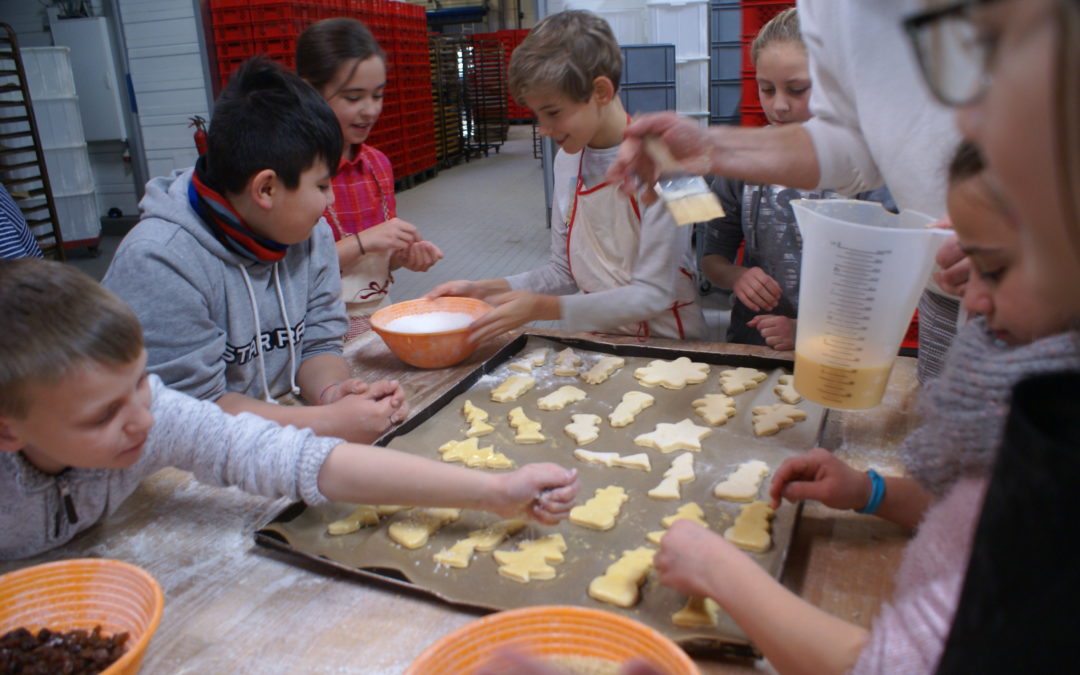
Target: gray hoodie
[
  {"x": 206, "y": 311},
  {"x": 39, "y": 511}
]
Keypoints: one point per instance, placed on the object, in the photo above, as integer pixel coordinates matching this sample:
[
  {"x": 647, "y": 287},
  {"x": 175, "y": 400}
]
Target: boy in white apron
[{"x": 630, "y": 262}]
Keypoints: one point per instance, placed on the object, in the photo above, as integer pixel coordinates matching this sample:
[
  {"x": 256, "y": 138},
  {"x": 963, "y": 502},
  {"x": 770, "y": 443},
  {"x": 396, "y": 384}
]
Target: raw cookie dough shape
[
  {"x": 684, "y": 435},
  {"x": 603, "y": 369},
  {"x": 531, "y": 559},
  {"x": 532, "y": 359},
  {"x": 567, "y": 362},
  {"x": 512, "y": 388},
  {"x": 469, "y": 453},
  {"x": 785, "y": 389},
  {"x": 460, "y": 554},
  {"x": 560, "y": 398},
  {"x": 742, "y": 485},
  {"x": 477, "y": 420},
  {"x": 680, "y": 471},
  {"x": 697, "y": 613},
  {"x": 414, "y": 530},
  {"x": 633, "y": 402},
  {"x": 528, "y": 431},
  {"x": 521, "y": 366},
  {"x": 688, "y": 511},
  {"x": 769, "y": 419},
  {"x": 737, "y": 380},
  {"x": 583, "y": 428},
  {"x": 362, "y": 516},
  {"x": 672, "y": 374},
  {"x": 715, "y": 409},
  {"x": 619, "y": 585},
  {"x": 751, "y": 529},
  {"x": 609, "y": 459},
  {"x": 599, "y": 513}
]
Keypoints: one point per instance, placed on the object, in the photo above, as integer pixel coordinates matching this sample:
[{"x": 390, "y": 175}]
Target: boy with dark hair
[
  {"x": 616, "y": 265},
  {"x": 82, "y": 423},
  {"x": 233, "y": 272}
]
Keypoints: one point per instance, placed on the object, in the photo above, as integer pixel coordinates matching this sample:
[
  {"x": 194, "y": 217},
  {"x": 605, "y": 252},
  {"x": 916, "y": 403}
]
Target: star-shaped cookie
[{"x": 684, "y": 435}]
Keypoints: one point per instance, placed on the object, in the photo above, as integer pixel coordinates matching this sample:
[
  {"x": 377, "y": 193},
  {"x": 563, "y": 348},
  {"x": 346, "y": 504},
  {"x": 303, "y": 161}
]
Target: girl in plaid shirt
[{"x": 342, "y": 60}]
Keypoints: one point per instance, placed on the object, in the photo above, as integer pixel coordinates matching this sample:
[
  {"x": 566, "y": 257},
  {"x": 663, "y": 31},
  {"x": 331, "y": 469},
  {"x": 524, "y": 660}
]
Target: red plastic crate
[
  {"x": 757, "y": 14},
  {"x": 232, "y": 32},
  {"x": 223, "y": 4},
  {"x": 225, "y": 16},
  {"x": 286, "y": 28},
  {"x": 282, "y": 11},
  {"x": 752, "y": 117},
  {"x": 228, "y": 49}
]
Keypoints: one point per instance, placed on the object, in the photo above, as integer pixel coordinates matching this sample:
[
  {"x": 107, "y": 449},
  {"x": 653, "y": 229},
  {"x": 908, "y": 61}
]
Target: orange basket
[
  {"x": 551, "y": 631},
  {"x": 429, "y": 350},
  {"x": 81, "y": 594}
]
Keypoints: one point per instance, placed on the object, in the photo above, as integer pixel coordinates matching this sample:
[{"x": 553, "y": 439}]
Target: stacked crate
[
  {"x": 487, "y": 113},
  {"x": 755, "y": 14},
  {"x": 448, "y": 98},
  {"x": 510, "y": 39},
  {"x": 405, "y": 132},
  {"x": 725, "y": 61}
]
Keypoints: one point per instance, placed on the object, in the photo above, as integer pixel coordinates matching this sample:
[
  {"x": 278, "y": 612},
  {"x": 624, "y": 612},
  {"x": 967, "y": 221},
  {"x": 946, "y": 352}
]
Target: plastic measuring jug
[{"x": 863, "y": 270}]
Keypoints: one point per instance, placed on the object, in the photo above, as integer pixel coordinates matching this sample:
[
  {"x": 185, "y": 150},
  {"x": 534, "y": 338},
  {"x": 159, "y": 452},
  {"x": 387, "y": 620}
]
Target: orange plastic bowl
[
  {"x": 81, "y": 594},
  {"x": 551, "y": 631},
  {"x": 429, "y": 350}
]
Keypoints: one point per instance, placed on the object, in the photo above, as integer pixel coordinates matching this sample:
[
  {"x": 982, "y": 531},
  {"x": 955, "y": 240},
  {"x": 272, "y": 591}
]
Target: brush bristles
[{"x": 698, "y": 207}]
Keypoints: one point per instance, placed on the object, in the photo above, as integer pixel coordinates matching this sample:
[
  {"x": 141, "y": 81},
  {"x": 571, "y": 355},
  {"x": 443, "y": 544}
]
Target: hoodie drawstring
[
  {"x": 289, "y": 332},
  {"x": 258, "y": 334}
]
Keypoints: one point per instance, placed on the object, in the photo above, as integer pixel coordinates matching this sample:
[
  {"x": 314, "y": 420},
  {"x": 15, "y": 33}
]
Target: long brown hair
[{"x": 325, "y": 45}]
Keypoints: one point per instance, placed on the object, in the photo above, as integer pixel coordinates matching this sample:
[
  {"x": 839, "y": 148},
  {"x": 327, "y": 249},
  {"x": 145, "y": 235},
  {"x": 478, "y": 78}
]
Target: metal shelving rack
[
  {"x": 448, "y": 97},
  {"x": 26, "y": 181},
  {"x": 488, "y": 119}
]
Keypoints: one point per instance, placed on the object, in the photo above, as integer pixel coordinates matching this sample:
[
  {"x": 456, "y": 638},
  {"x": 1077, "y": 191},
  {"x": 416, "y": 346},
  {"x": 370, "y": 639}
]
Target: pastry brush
[{"x": 687, "y": 197}]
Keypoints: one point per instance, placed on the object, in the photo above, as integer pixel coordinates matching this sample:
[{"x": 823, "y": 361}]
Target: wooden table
[{"x": 232, "y": 607}]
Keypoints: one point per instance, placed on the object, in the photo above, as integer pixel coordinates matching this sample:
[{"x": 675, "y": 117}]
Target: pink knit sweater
[{"x": 909, "y": 633}]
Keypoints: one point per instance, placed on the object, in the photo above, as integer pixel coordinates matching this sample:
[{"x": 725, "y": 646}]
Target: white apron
[
  {"x": 603, "y": 234},
  {"x": 365, "y": 284}
]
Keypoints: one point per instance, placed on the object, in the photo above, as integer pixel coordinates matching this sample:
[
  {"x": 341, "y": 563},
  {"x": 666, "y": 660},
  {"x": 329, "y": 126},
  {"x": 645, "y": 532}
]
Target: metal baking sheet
[{"x": 370, "y": 553}]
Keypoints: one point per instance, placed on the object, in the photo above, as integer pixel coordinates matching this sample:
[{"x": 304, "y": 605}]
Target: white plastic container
[
  {"x": 80, "y": 221},
  {"x": 628, "y": 24},
  {"x": 692, "y": 85},
  {"x": 863, "y": 270},
  {"x": 683, "y": 23},
  {"x": 69, "y": 170},
  {"x": 48, "y": 72},
  {"x": 58, "y": 121}
]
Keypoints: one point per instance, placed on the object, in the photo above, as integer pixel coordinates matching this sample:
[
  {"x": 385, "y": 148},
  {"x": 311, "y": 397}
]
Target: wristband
[
  {"x": 359, "y": 243},
  {"x": 877, "y": 493},
  {"x": 326, "y": 389}
]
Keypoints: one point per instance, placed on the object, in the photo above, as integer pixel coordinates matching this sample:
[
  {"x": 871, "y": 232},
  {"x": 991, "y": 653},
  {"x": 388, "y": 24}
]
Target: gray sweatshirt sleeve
[
  {"x": 252, "y": 453},
  {"x": 723, "y": 235},
  {"x": 184, "y": 343},
  {"x": 326, "y": 322}
]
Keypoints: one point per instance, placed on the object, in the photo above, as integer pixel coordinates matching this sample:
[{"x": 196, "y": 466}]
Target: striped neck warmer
[{"x": 226, "y": 224}]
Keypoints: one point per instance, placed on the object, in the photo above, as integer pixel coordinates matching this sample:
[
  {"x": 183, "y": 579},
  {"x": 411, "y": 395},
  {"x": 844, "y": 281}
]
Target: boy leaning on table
[
  {"x": 233, "y": 271},
  {"x": 82, "y": 423}
]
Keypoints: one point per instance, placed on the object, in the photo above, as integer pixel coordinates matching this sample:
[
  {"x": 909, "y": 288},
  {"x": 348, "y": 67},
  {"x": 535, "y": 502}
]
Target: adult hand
[
  {"x": 392, "y": 235},
  {"x": 418, "y": 257},
  {"x": 543, "y": 492},
  {"x": 513, "y": 309},
  {"x": 690, "y": 556},
  {"x": 757, "y": 290},
  {"x": 778, "y": 331},
  {"x": 819, "y": 475},
  {"x": 687, "y": 142},
  {"x": 955, "y": 268}
]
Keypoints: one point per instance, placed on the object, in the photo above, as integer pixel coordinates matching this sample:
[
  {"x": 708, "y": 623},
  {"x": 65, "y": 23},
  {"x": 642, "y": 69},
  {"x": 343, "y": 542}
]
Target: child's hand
[
  {"x": 338, "y": 390},
  {"x": 542, "y": 492},
  {"x": 418, "y": 257},
  {"x": 778, "y": 331},
  {"x": 955, "y": 268},
  {"x": 513, "y": 309},
  {"x": 392, "y": 235},
  {"x": 457, "y": 289},
  {"x": 688, "y": 557},
  {"x": 363, "y": 417},
  {"x": 757, "y": 290},
  {"x": 819, "y": 475}
]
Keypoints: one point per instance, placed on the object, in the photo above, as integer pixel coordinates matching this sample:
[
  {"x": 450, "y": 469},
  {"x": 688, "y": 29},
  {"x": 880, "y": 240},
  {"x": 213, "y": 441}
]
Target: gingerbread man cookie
[{"x": 583, "y": 428}]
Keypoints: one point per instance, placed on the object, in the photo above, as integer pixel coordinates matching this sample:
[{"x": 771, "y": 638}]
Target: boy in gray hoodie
[
  {"x": 82, "y": 422},
  {"x": 233, "y": 273}
]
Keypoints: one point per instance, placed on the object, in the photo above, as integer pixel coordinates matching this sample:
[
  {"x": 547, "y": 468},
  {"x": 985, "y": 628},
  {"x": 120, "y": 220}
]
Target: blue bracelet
[{"x": 877, "y": 492}]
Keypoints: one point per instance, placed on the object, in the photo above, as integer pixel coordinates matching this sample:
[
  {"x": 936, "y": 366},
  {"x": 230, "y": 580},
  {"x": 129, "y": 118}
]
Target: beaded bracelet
[{"x": 877, "y": 493}]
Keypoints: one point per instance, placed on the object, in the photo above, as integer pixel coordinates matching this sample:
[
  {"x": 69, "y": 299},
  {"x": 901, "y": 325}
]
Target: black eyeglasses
[{"x": 953, "y": 56}]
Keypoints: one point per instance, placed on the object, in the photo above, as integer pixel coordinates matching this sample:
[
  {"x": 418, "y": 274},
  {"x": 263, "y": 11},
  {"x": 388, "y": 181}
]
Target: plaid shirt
[{"x": 361, "y": 187}]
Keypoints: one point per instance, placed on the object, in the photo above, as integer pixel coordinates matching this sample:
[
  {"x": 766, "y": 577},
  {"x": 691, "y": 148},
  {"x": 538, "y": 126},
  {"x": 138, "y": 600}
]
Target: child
[
  {"x": 629, "y": 261},
  {"x": 82, "y": 422},
  {"x": 342, "y": 60},
  {"x": 950, "y": 457},
  {"x": 233, "y": 274},
  {"x": 766, "y": 284}
]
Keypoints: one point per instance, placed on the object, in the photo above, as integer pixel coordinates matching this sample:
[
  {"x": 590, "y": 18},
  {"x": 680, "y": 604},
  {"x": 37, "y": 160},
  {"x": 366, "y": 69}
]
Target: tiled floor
[{"x": 488, "y": 216}]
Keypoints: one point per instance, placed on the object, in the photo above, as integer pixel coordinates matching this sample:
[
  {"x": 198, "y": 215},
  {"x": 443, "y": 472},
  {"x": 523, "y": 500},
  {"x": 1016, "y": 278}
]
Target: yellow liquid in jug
[{"x": 855, "y": 388}]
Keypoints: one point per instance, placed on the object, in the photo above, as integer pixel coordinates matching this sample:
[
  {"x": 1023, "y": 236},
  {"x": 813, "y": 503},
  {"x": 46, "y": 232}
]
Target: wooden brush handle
[{"x": 660, "y": 155}]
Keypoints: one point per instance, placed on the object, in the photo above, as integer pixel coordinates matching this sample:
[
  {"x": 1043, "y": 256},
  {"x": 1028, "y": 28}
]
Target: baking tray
[{"x": 369, "y": 553}]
